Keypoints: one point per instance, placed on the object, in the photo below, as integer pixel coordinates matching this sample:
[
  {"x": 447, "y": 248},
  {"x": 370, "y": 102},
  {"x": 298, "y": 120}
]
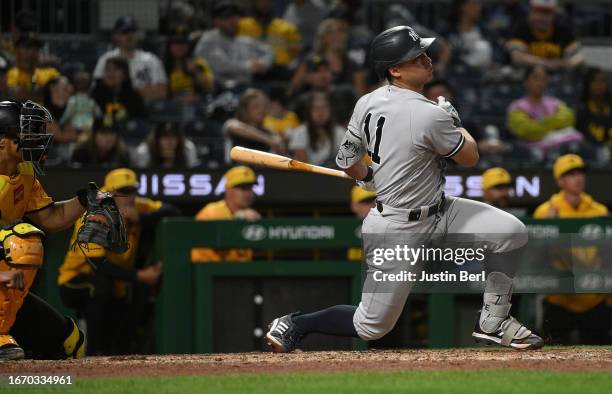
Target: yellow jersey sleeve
[{"x": 38, "y": 198}]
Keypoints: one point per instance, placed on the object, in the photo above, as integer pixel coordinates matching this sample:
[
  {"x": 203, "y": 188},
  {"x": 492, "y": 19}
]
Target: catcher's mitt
[{"x": 102, "y": 224}]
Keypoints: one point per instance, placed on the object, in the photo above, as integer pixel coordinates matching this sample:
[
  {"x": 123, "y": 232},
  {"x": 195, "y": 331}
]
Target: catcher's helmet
[
  {"x": 396, "y": 45},
  {"x": 27, "y": 123}
]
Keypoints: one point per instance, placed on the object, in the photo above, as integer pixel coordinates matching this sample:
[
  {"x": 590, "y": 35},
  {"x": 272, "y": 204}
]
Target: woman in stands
[
  {"x": 246, "y": 128},
  {"x": 331, "y": 44},
  {"x": 317, "y": 140},
  {"x": 166, "y": 147}
]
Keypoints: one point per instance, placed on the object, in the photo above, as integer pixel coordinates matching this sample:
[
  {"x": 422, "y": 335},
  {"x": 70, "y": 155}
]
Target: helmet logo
[{"x": 414, "y": 35}]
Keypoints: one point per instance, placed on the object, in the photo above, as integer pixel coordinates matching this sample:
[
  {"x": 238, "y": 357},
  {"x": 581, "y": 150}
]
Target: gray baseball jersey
[{"x": 408, "y": 138}]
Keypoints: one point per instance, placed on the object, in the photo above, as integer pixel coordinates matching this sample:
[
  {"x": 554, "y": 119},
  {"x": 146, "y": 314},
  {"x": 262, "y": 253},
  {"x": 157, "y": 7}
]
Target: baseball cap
[
  {"x": 180, "y": 34},
  {"x": 495, "y": 177},
  {"x": 358, "y": 194},
  {"x": 314, "y": 62},
  {"x": 126, "y": 24},
  {"x": 119, "y": 179},
  {"x": 239, "y": 175},
  {"x": 226, "y": 8},
  {"x": 567, "y": 163},
  {"x": 544, "y": 5},
  {"x": 106, "y": 122}
]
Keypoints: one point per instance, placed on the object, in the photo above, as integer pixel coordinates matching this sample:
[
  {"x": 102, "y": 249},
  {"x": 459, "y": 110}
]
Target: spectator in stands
[
  {"x": 27, "y": 79},
  {"x": 190, "y": 77},
  {"x": 319, "y": 79},
  {"x": 544, "y": 40},
  {"x": 317, "y": 140},
  {"x": 235, "y": 60},
  {"x": 306, "y": 15},
  {"x": 281, "y": 35},
  {"x": 565, "y": 313},
  {"x": 56, "y": 95},
  {"x": 102, "y": 286},
  {"x": 331, "y": 45},
  {"x": 81, "y": 109},
  {"x": 246, "y": 128},
  {"x": 114, "y": 92},
  {"x": 103, "y": 147},
  {"x": 145, "y": 69},
  {"x": 236, "y": 204},
  {"x": 361, "y": 202},
  {"x": 539, "y": 121},
  {"x": 279, "y": 118},
  {"x": 503, "y": 16},
  {"x": 166, "y": 147},
  {"x": 594, "y": 113},
  {"x": 470, "y": 43}
]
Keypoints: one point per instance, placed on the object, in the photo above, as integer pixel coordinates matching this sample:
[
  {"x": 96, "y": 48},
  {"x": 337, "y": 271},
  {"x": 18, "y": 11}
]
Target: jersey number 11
[{"x": 379, "y": 127}]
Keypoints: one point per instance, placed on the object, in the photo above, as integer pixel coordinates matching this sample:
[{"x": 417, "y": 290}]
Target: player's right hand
[
  {"x": 369, "y": 186},
  {"x": 12, "y": 279}
]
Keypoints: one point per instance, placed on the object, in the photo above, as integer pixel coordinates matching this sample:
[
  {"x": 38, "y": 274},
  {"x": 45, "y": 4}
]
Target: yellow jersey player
[
  {"x": 23, "y": 144},
  {"x": 100, "y": 284},
  {"x": 236, "y": 204}
]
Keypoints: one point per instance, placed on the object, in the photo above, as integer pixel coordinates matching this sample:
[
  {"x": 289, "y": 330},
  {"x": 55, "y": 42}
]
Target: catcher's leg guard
[
  {"x": 9, "y": 349},
  {"x": 20, "y": 248}
]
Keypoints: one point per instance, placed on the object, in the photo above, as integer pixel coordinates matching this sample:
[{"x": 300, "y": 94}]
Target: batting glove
[
  {"x": 448, "y": 107},
  {"x": 367, "y": 183}
]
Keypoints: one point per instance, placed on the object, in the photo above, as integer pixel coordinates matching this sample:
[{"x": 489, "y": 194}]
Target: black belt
[{"x": 415, "y": 214}]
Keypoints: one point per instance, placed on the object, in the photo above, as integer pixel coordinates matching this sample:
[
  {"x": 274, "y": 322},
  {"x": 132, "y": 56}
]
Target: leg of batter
[
  {"x": 504, "y": 236},
  {"x": 382, "y": 301}
]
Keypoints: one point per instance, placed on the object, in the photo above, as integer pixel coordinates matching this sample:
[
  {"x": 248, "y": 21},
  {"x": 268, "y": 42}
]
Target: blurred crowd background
[{"x": 176, "y": 83}]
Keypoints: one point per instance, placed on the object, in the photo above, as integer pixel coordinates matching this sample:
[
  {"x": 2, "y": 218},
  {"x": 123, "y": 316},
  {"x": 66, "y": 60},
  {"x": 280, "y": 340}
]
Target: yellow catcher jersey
[{"x": 21, "y": 194}]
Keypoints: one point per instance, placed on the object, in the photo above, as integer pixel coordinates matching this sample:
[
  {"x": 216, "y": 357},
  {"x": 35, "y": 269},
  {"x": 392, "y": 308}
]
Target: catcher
[{"x": 26, "y": 211}]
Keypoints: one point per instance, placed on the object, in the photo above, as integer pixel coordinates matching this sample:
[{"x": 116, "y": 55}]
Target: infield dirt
[{"x": 558, "y": 359}]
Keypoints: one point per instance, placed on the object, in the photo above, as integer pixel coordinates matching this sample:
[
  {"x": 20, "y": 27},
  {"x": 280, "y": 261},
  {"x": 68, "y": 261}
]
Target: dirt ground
[{"x": 570, "y": 359}]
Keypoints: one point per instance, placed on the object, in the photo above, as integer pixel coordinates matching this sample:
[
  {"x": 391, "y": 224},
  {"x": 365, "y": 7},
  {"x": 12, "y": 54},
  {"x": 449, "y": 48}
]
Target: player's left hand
[
  {"x": 448, "y": 107},
  {"x": 12, "y": 279}
]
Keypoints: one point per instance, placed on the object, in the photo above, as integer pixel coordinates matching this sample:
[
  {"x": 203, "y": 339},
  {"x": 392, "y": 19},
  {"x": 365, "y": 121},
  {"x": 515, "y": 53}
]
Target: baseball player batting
[{"x": 408, "y": 139}]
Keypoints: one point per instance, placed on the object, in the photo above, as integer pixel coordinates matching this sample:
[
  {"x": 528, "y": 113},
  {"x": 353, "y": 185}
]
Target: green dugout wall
[{"x": 185, "y": 304}]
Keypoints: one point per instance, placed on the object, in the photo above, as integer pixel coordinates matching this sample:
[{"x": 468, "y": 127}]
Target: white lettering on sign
[
  {"x": 301, "y": 232},
  {"x": 453, "y": 185},
  {"x": 193, "y": 185},
  {"x": 525, "y": 186},
  {"x": 174, "y": 184}
]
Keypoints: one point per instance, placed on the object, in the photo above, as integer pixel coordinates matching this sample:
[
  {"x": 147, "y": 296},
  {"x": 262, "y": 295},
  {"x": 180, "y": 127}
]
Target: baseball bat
[{"x": 279, "y": 162}]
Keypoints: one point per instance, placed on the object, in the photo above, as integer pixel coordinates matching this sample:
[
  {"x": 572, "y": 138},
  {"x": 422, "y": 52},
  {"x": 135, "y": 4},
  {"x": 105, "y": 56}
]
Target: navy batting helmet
[{"x": 396, "y": 45}]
